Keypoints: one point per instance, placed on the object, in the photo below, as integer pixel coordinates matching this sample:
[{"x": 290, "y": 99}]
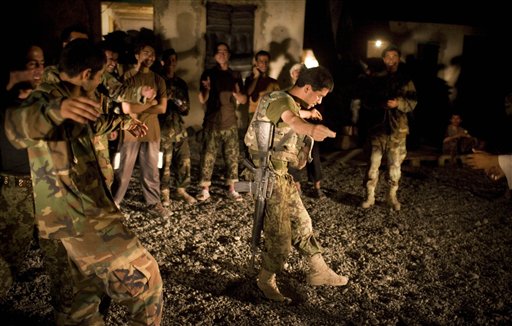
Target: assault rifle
[{"x": 261, "y": 187}]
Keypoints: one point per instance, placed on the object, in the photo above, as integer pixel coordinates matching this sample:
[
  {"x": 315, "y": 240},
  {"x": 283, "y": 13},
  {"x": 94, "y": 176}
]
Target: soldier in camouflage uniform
[
  {"x": 286, "y": 221},
  {"x": 174, "y": 138},
  {"x": 72, "y": 201},
  {"x": 17, "y": 219},
  {"x": 16, "y": 198},
  {"x": 391, "y": 97},
  {"x": 220, "y": 89},
  {"x": 70, "y": 33}
]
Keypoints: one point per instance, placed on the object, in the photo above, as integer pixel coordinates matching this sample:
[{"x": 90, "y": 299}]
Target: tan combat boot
[
  {"x": 182, "y": 193},
  {"x": 166, "y": 201},
  {"x": 370, "y": 199},
  {"x": 267, "y": 284},
  {"x": 321, "y": 274},
  {"x": 392, "y": 200}
]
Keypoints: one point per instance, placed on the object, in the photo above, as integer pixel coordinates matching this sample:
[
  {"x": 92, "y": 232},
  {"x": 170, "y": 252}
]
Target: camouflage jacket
[
  {"x": 383, "y": 87},
  {"x": 70, "y": 193},
  {"x": 178, "y": 105}
]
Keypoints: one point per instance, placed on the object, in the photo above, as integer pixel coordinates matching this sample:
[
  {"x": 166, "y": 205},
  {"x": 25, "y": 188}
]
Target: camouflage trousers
[
  {"x": 176, "y": 154},
  {"x": 102, "y": 153},
  {"x": 56, "y": 264},
  {"x": 286, "y": 224},
  {"x": 112, "y": 261},
  {"x": 394, "y": 148},
  {"x": 227, "y": 140},
  {"x": 17, "y": 229}
]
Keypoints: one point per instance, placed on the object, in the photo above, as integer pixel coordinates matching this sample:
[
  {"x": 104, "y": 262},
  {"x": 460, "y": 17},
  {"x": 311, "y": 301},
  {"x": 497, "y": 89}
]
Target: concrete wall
[
  {"x": 449, "y": 38},
  {"x": 279, "y": 28}
]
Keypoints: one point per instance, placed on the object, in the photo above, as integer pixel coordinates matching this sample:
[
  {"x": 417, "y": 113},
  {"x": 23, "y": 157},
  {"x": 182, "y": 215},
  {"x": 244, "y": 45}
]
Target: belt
[{"x": 15, "y": 181}]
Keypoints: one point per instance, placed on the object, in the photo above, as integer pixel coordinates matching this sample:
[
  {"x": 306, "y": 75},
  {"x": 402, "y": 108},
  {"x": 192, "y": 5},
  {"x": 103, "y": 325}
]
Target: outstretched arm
[
  {"x": 495, "y": 166},
  {"x": 318, "y": 132}
]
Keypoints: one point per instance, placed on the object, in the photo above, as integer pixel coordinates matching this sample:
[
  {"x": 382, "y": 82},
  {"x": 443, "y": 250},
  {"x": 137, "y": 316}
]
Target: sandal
[{"x": 203, "y": 195}]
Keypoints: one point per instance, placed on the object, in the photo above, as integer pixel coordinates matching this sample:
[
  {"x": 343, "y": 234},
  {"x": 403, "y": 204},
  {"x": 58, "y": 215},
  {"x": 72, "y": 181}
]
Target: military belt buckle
[{"x": 21, "y": 183}]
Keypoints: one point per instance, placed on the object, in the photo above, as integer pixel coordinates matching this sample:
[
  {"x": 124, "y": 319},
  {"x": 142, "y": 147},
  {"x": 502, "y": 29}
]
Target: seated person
[{"x": 457, "y": 140}]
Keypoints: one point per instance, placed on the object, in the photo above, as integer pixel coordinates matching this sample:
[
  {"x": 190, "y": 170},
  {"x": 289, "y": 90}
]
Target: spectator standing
[
  {"x": 221, "y": 88},
  {"x": 144, "y": 149},
  {"x": 174, "y": 138},
  {"x": 259, "y": 82},
  {"x": 391, "y": 97}
]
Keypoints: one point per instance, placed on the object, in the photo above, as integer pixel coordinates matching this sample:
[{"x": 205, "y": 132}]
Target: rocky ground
[{"x": 445, "y": 258}]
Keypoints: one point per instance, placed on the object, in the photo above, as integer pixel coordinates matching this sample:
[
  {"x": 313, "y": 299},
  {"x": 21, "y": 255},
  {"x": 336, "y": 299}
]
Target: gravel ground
[{"x": 445, "y": 258}]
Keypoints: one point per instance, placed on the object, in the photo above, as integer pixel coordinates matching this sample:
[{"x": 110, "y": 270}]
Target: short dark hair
[
  {"x": 219, "y": 44},
  {"x": 66, "y": 33},
  {"x": 142, "y": 44},
  {"x": 260, "y": 53},
  {"x": 390, "y": 48},
  {"x": 318, "y": 77},
  {"x": 109, "y": 46},
  {"x": 81, "y": 54},
  {"x": 168, "y": 53},
  {"x": 19, "y": 57}
]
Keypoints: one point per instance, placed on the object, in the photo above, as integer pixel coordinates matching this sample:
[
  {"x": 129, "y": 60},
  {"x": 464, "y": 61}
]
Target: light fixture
[
  {"x": 309, "y": 59},
  {"x": 374, "y": 48}
]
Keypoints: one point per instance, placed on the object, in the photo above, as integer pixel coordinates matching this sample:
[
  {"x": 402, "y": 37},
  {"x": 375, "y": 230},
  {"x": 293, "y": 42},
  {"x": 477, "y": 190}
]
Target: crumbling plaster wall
[{"x": 279, "y": 29}]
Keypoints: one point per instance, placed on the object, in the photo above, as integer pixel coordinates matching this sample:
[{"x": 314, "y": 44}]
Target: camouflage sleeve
[
  {"x": 131, "y": 94},
  {"x": 36, "y": 119},
  {"x": 127, "y": 122},
  {"x": 50, "y": 75},
  {"x": 110, "y": 122},
  {"x": 407, "y": 102},
  {"x": 113, "y": 86}
]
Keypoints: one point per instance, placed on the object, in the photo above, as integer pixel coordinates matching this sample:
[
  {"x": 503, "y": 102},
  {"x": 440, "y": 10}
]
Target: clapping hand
[{"x": 137, "y": 128}]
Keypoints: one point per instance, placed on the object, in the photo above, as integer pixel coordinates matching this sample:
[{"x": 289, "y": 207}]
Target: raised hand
[
  {"x": 206, "y": 83},
  {"x": 316, "y": 115},
  {"x": 255, "y": 72}
]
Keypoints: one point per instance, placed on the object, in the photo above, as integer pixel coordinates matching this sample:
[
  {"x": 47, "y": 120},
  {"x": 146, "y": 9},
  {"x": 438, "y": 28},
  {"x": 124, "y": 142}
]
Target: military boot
[
  {"x": 267, "y": 284},
  {"x": 392, "y": 200},
  {"x": 166, "y": 201},
  {"x": 370, "y": 199},
  {"x": 321, "y": 274}
]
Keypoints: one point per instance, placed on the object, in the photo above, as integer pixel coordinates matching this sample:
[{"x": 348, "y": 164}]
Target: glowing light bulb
[{"x": 310, "y": 59}]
